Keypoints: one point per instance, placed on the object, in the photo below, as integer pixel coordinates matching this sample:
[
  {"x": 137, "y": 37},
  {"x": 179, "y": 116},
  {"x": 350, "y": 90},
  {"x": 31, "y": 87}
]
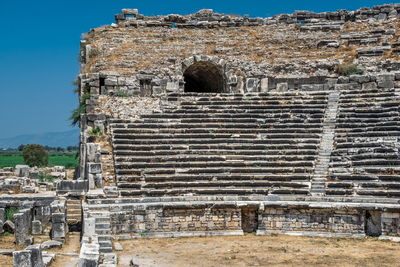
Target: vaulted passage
[{"x": 204, "y": 77}]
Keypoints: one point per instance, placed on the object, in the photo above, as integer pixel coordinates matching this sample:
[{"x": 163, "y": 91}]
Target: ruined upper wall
[
  {"x": 206, "y": 18},
  {"x": 142, "y": 51}
]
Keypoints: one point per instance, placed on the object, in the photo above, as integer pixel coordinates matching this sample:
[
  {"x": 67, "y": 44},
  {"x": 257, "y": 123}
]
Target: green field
[{"x": 55, "y": 159}]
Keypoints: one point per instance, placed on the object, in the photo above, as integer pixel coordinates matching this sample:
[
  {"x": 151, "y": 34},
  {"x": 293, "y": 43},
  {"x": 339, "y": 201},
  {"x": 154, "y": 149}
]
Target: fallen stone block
[
  {"x": 51, "y": 244},
  {"x": 22, "y": 258},
  {"x": 118, "y": 247},
  {"x": 6, "y": 252},
  {"x": 58, "y": 231},
  {"x": 22, "y": 222},
  {"x": 36, "y": 255},
  {"x": 89, "y": 255},
  {"x": 36, "y": 227},
  {"x": 22, "y": 170}
]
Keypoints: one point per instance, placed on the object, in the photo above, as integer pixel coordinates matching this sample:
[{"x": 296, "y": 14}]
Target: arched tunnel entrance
[{"x": 204, "y": 77}]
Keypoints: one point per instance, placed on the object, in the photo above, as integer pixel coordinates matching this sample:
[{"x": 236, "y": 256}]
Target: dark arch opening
[{"x": 204, "y": 77}]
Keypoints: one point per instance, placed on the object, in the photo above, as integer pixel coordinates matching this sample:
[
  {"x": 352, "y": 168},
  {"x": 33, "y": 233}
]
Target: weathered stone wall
[
  {"x": 391, "y": 223},
  {"x": 273, "y": 220},
  {"x": 142, "y": 222}
]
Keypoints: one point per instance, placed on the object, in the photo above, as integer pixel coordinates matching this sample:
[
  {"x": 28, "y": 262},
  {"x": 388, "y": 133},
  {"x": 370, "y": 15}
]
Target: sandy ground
[
  {"x": 6, "y": 242},
  {"x": 251, "y": 250},
  {"x": 68, "y": 255},
  {"x": 72, "y": 245}
]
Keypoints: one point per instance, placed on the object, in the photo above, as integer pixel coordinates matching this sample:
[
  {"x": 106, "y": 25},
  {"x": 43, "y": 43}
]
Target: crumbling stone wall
[
  {"x": 175, "y": 219},
  {"x": 280, "y": 220}
]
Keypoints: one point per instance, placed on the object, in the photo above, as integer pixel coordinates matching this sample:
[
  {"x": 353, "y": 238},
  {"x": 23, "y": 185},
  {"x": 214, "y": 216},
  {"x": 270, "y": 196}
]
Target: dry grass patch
[{"x": 251, "y": 250}]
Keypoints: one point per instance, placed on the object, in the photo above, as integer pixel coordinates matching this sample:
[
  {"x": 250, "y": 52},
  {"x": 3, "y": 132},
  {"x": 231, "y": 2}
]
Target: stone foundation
[{"x": 134, "y": 219}]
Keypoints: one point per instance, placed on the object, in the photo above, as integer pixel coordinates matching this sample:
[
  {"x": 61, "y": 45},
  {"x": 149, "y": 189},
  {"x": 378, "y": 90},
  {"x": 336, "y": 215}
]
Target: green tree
[{"x": 35, "y": 155}]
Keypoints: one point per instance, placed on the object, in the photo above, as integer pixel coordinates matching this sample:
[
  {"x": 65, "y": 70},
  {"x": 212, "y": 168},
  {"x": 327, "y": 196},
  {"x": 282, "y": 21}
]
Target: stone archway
[{"x": 204, "y": 77}]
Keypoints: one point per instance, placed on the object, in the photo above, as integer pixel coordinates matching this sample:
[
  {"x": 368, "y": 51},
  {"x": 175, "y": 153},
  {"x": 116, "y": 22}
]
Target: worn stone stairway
[
  {"x": 103, "y": 229},
  {"x": 222, "y": 144},
  {"x": 74, "y": 211},
  {"x": 326, "y": 146}
]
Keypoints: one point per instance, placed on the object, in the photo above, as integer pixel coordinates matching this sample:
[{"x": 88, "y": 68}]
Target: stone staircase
[
  {"x": 326, "y": 146},
  {"x": 74, "y": 211},
  {"x": 366, "y": 158},
  {"x": 222, "y": 144},
  {"x": 103, "y": 229}
]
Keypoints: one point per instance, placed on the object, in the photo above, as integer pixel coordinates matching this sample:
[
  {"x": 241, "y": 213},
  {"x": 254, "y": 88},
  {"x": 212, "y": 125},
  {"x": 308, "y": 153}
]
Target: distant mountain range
[{"x": 54, "y": 139}]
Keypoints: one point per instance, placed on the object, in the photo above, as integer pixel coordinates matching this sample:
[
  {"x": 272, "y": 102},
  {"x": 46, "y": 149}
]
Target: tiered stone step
[
  {"x": 227, "y": 144},
  {"x": 366, "y": 161},
  {"x": 103, "y": 229},
  {"x": 74, "y": 211}
]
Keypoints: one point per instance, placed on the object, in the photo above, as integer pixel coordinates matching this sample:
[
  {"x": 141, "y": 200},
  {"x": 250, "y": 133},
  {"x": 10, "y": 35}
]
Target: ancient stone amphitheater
[{"x": 213, "y": 124}]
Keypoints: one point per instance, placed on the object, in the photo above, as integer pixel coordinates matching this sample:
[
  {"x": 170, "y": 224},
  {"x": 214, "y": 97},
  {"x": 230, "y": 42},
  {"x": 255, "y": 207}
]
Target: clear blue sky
[{"x": 39, "y": 48}]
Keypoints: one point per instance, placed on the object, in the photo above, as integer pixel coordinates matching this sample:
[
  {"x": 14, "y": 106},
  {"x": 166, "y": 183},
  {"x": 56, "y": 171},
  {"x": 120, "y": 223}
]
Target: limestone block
[
  {"x": 348, "y": 86},
  {"x": 22, "y": 258},
  {"x": 360, "y": 78},
  {"x": 36, "y": 227},
  {"x": 91, "y": 150},
  {"x": 282, "y": 86},
  {"x": 22, "y": 170},
  {"x": 172, "y": 86},
  {"x": 118, "y": 247},
  {"x": 51, "y": 244},
  {"x": 385, "y": 80},
  {"x": 111, "y": 81},
  {"x": 157, "y": 90},
  {"x": 94, "y": 168},
  {"x": 91, "y": 181},
  {"x": 36, "y": 255},
  {"x": 58, "y": 218},
  {"x": 89, "y": 255},
  {"x": 368, "y": 86},
  {"x": 2, "y": 215},
  {"x": 264, "y": 85},
  {"x": 252, "y": 84},
  {"x": 98, "y": 180},
  {"x": 392, "y": 14},
  {"x": 58, "y": 231},
  {"x": 22, "y": 226},
  {"x": 382, "y": 16},
  {"x": 1, "y": 227}
]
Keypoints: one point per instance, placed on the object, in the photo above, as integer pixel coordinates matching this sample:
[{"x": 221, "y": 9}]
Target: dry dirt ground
[
  {"x": 251, "y": 250},
  {"x": 67, "y": 256}
]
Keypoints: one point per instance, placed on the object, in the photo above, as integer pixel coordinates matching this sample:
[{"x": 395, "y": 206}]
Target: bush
[
  {"x": 43, "y": 177},
  {"x": 9, "y": 213},
  {"x": 35, "y": 155},
  {"x": 94, "y": 52},
  {"x": 94, "y": 131},
  {"x": 76, "y": 113},
  {"x": 121, "y": 93},
  {"x": 347, "y": 69}
]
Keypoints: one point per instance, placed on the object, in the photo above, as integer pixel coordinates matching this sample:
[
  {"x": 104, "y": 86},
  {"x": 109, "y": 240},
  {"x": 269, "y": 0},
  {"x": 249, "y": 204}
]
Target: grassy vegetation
[
  {"x": 9, "y": 213},
  {"x": 12, "y": 158},
  {"x": 347, "y": 69},
  {"x": 43, "y": 177}
]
